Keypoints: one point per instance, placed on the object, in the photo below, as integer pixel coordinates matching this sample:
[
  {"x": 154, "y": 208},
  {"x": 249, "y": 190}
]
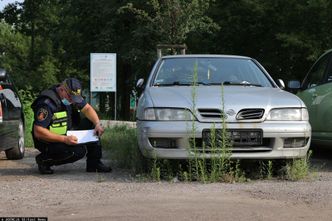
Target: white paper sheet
[{"x": 83, "y": 136}]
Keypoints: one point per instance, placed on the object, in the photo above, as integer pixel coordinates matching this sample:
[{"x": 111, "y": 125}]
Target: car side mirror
[
  {"x": 281, "y": 84},
  {"x": 294, "y": 86},
  {"x": 3, "y": 75},
  {"x": 140, "y": 83}
]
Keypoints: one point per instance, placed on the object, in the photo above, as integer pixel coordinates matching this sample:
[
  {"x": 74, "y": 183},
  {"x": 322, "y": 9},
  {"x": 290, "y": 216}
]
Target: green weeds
[
  {"x": 121, "y": 143},
  {"x": 298, "y": 169},
  {"x": 219, "y": 166}
]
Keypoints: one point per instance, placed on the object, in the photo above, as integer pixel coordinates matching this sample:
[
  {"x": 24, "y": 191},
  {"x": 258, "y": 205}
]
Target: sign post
[{"x": 103, "y": 74}]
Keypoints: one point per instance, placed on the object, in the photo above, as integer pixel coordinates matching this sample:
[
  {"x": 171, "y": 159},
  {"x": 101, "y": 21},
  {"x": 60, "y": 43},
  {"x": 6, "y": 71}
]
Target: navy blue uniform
[
  {"x": 60, "y": 153},
  {"x": 45, "y": 109}
]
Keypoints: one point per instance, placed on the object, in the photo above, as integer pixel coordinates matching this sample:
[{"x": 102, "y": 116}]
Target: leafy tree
[
  {"x": 11, "y": 14},
  {"x": 285, "y": 35},
  {"x": 48, "y": 72},
  {"x": 139, "y": 27},
  {"x": 14, "y": 52},
  {"x": 304, "y": 33},
  {"x": 45, "y": 41}
]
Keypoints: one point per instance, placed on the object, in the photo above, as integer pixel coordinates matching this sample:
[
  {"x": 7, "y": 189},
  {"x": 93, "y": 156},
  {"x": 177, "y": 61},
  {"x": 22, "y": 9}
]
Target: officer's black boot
[
  {"x": 97, "y": 166},
  {"x": 93, "y": 162},
  {"x": 43, "y": 166}
]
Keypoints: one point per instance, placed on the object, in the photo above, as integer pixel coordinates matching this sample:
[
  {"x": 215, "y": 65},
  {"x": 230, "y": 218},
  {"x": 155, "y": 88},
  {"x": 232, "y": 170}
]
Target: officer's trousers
[{"x": 60, "y": 153}]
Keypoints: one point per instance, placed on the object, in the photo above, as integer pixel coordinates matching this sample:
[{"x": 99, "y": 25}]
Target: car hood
[{"x": 235, "y": 97}]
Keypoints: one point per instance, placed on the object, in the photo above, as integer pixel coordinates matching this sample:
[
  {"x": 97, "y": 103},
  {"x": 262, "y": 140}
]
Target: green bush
[{"x": 27, "y": 97}]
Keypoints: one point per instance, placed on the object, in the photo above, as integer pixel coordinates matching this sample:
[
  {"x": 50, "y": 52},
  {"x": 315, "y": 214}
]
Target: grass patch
[
  {"x": 298, "y": 169},
  {"x": 121, "y": 142}
]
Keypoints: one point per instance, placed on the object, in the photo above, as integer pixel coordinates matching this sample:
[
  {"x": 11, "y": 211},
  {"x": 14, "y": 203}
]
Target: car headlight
[
  {"x": 167, "y": 114},
  {"x": 288, "y": 114}
]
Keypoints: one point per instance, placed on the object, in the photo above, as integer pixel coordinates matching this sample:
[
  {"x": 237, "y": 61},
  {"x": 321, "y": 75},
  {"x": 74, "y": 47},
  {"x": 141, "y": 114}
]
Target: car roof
[
  {"x": 206, "y": 56},
  {"x": 326, "y": 52}
]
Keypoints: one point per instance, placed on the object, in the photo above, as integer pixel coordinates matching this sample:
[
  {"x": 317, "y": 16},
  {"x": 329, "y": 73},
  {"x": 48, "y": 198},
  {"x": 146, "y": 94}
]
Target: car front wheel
[{"x": 17, "y": 152}]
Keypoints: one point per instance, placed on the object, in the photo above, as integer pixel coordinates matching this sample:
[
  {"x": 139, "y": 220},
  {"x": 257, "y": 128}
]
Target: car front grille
[
  {"x": 210, "y": 113},
  {"x": 250, "y": 114}
]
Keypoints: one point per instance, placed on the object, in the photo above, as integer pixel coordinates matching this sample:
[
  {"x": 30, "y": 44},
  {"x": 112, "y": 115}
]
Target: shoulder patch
[{"x": 42, "y": 114}]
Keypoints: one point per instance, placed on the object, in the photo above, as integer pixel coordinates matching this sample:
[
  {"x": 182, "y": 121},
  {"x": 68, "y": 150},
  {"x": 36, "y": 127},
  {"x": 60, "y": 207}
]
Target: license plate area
[{"x": 237, "y": 137}]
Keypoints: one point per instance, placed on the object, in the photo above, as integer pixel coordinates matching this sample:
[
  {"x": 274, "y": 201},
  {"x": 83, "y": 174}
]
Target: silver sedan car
[{"x": 188, "y": 96}]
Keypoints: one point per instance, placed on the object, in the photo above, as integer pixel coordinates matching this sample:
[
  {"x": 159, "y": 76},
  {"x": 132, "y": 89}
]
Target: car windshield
[{"x": 210, "y": 71}]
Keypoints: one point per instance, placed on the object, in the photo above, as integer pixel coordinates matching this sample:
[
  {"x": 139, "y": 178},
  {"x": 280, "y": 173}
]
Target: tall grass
[
  {"x": 121, "y": 142},
  {"x": 218, "y": 146},
  {"x": 219, "y": 167},
  {"x": 193, "y": 162}
]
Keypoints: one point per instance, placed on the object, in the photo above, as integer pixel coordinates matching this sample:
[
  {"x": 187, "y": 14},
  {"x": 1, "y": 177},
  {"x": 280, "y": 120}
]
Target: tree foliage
[
  {"x": 14, "y": 53},
  {"x": 45, "y": 41}
]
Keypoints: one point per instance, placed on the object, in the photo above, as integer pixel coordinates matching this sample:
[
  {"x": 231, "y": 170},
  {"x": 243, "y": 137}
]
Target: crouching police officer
[{"x": 56, "y": 110}]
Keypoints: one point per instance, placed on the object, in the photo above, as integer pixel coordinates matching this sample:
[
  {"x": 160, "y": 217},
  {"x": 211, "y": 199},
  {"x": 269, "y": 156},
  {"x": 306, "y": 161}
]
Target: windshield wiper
[
  {"x": 243, "y": 83},
  {"x": 216, "y": 83},
  {"x": 200, "y": 83},
  {"x": 178, "y": 83},
  {"x": 175, "y": 83}
]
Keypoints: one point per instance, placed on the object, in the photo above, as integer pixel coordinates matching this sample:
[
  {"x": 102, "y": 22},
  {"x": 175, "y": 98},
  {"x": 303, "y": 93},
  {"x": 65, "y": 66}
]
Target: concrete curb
[{"x": 113, "y": 123}]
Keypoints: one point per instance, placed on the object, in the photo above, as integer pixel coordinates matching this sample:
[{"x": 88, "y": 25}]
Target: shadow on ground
[
  {"x": 321, "y": 161},
  {"x": 27, "y": 167},
  {"x": 322, "y": 158}
]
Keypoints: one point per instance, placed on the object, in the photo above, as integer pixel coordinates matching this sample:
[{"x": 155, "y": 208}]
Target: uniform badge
[{"x": 42, "y": 114}]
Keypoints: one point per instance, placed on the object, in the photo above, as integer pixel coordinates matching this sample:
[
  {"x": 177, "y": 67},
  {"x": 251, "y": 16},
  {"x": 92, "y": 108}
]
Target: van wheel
[{"x": 17, "y": 152}]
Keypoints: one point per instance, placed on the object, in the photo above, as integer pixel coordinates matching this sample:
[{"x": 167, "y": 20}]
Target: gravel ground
[{"x": 73, "y": 194}]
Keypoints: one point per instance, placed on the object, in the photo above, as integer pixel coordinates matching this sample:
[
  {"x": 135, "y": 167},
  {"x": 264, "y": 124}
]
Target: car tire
[{"x": 17, "y": 152}]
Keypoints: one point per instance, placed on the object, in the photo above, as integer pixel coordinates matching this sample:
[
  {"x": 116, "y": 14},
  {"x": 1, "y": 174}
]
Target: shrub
[{"x": 27, "y": 97}]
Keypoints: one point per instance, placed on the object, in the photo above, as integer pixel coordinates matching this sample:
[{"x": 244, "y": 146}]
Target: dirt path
[{"x": 72, "y": 194}]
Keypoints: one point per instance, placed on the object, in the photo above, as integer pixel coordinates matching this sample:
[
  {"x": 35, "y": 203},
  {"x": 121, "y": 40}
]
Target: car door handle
[{"x": 314, "y": 95}]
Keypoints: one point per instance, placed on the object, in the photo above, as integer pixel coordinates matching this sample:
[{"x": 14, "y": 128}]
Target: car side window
[{"x": 316, "y": 74}]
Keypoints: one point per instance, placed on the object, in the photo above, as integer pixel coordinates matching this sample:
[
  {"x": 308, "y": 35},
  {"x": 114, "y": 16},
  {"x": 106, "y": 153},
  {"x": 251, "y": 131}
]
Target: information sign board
[{"x": 103, "y": 72}]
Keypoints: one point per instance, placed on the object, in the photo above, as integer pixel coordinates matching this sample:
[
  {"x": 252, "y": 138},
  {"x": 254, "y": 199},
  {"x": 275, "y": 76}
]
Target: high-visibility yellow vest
[{"x": 59, "y": 123}]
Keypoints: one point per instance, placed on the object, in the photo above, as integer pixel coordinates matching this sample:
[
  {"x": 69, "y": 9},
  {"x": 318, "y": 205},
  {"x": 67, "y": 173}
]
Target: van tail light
[{"x": 1, "y": 112}]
